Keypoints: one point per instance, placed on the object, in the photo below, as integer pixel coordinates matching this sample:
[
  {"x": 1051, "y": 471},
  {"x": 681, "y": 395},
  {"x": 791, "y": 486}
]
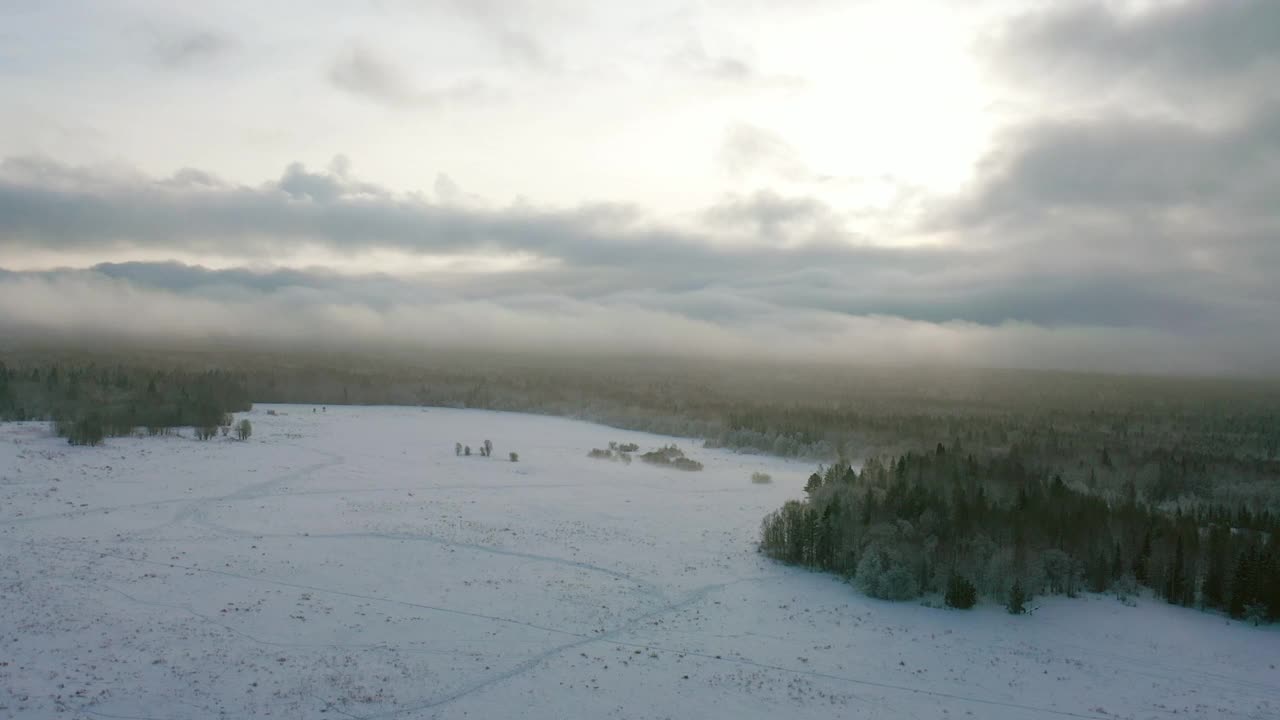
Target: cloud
[
  {"x": 775, "y": 218},
  {"x": 364, "y": 73},
  {"x": 1135, "y": 165},
  {"x": 185, "y": 50},
  {"x": 95, "y": 303},
  {"x": 748, "y": 149},
  {"x": 1124, "y": 218},
  {"x": 1201, "y": 42},
  {"x": 47, "y": 205},
  {"x": 507, "y": 25},
  {"x": 774, "y": 272},
  {"x": 694, "y": 61},
  {"x": 1165, "y": 211}
]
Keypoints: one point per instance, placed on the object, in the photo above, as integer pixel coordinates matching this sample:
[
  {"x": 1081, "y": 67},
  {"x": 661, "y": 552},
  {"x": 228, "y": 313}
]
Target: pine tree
[
  {"x": 1173, "y": 582},
  {"x": 1140, "y": 563},
  {"x": 814, "y": 482},
  {"x": 961, "y": 593},
  {"x": 1213, "y": 590},
  {"x": 1243, "y": 591},
  {"x": 1017, "y": 599}
]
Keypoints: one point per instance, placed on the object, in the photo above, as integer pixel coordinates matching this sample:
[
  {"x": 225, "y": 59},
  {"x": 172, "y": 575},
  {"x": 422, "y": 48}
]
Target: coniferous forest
[
  {"x": 930, "y": 522},
  {"x": 90, "y": 402}
]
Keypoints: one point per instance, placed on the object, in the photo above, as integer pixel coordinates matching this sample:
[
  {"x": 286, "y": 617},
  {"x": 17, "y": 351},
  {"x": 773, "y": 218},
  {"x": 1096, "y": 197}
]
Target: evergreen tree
[
  {"x": 1173, "y": 592},
  {"x": 1017, "y": 599},
  {"x": 1214, "y": 588},
  {"x": 961, "y": 593},
  {"x": 1244, "y": 583}
]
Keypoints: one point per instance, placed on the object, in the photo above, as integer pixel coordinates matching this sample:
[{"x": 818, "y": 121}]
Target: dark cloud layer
[
  {"x": 1171, "y": 193},
  {"x": 767, "y": 274},
  {"x": 1198, "y": 43},
  {"x": 47, "y": 205},
  {"x": 1133, "y": 165},
  {"x": 183, "y": 304}
]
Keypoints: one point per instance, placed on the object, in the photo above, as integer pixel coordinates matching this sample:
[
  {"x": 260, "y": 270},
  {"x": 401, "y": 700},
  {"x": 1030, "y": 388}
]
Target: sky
[{"x": 1072, "y": 184}]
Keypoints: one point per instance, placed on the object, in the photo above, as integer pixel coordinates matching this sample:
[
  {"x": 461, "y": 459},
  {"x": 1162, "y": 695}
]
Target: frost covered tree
[
  {"x": 881, "y": 576},
  {"x": 244, "y": 429}
]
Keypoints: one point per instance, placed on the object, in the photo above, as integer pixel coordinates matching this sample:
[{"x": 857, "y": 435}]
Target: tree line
[
  {"x": 948, "y": 520},
  {"x": 1180, "y": 442},
  {"x": 89, "y": 402}
]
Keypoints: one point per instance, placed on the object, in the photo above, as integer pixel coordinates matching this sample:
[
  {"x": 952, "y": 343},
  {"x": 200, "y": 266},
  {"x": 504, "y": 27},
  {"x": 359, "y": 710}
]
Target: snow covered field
[{"x": 347, "y": 564}]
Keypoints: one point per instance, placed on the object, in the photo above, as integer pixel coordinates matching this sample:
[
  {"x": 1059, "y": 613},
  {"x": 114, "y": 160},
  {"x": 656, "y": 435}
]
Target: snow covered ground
[{"x": 347, "y": 564}]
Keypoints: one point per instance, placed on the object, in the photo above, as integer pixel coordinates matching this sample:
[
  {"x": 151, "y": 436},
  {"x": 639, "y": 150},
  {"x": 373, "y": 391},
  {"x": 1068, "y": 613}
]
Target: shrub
[
  {"x": 663, "y": 455},
  {"x": 761, "y": 478},
  {"x": 1017, "y": 603},
  {"x": 88, "y": 430},
  {"x": 961, "y": 594},
  {"x": 599, "y": 454},
  {"x": 1255, "y": 613},
  {"x": 515, "y": 457},
  {"x": 1125, "y": 589},
  {"x": 673, "y": 456}
]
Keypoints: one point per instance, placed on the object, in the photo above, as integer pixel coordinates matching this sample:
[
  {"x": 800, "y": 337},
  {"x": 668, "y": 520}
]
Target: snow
[{"x": 346, "y": 564}]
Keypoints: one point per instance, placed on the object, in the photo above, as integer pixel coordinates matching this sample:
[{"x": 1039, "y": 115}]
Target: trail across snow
[{"x": 346, "y": 564}]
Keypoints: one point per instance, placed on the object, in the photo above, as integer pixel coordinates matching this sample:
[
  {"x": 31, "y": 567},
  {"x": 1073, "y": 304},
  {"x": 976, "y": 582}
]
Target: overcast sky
[{"x": 1033, "y": 184}]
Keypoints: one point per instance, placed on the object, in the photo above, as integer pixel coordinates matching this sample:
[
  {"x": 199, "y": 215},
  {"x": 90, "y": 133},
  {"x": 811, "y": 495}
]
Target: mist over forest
[{"x": 1172, "y": 483}]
